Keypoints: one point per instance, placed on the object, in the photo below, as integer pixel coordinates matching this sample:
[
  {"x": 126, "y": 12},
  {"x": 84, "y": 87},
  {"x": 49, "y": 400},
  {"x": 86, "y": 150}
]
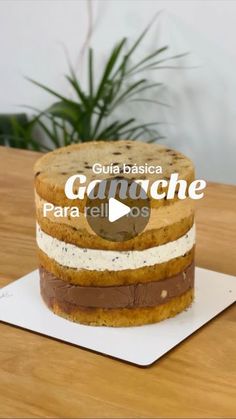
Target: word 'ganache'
[{"x": 123, "y": 188}]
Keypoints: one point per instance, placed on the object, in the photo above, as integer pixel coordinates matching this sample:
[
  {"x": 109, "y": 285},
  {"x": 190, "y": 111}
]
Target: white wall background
[{"x": 202, "y": 117}]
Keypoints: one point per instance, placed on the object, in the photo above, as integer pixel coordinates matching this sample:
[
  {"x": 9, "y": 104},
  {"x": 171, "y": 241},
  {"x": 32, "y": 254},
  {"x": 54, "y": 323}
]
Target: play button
[{"x": 117, "y": 209}]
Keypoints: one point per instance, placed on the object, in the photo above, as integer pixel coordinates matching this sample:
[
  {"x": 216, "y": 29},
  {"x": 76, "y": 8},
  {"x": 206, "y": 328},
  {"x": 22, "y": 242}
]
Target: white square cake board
[{"x": 21, "y": 305}]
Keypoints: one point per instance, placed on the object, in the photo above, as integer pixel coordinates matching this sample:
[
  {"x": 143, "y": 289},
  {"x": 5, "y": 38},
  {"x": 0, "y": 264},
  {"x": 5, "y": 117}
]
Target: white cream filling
[{"x": 100, "y": 260}]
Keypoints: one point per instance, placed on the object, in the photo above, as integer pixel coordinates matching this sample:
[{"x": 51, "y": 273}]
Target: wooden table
[{"x": 43, "y": 377}]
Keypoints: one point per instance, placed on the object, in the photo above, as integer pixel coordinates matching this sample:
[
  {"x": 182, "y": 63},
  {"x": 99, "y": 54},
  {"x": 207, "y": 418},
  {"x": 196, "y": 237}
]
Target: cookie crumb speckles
[{"x": 164, "y": 294}]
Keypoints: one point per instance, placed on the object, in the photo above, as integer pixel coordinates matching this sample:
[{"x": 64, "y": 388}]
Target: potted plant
[{"x": 90, "y": 114}]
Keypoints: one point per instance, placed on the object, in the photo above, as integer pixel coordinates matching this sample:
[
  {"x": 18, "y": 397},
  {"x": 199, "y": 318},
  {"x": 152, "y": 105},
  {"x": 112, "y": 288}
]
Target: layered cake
[{"x": 88, "y": 279}]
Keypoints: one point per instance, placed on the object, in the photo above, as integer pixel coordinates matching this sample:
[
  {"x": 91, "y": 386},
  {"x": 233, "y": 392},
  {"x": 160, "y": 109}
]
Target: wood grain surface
[{"x": 40, "y": 377}]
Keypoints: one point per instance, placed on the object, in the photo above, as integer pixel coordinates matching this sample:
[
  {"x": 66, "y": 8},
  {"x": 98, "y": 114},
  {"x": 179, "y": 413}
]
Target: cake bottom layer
[
  {"x": 126, "y": 316},
  {"x": 130, "y": 305}
]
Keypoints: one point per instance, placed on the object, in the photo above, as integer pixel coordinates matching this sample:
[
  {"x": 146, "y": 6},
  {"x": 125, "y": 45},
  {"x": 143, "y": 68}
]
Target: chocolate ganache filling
[{"x": 69, "y": 296}]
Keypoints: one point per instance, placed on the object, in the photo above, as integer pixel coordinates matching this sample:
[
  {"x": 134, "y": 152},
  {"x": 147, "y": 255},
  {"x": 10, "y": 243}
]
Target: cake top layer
[{"x": 53, "y": 169}]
